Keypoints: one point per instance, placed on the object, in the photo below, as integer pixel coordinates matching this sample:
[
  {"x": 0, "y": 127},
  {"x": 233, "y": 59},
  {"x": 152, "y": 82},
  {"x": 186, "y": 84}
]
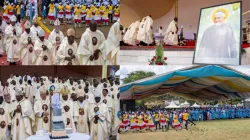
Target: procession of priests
[
  {"x": 140, "y": 33},
  {"x": 29, "y": 44},
  {"x": 89, "y": 106}
]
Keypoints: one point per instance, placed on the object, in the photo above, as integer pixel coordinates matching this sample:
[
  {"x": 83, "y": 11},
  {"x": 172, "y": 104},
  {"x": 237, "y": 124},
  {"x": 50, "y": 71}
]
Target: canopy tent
[
  {"x": 200, "y": 83},
  {"x": 195, "y": 105},
  {"x": 185, "y": 104},
  {"x": 172, "y": 105}
]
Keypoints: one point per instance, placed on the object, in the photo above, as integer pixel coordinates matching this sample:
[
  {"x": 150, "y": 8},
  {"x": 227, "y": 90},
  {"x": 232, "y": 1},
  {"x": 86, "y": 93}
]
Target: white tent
[
  {"x": 172, "y": 105},
  {"x": 185, "y": 104},
  {"x": 195, "y": 105}
]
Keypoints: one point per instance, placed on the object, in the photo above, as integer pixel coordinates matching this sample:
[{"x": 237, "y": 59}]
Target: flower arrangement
[{"x": 159, "y": 58}]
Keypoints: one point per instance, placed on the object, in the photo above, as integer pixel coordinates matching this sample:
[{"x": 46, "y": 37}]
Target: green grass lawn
[{"x": 238, "y": 129}]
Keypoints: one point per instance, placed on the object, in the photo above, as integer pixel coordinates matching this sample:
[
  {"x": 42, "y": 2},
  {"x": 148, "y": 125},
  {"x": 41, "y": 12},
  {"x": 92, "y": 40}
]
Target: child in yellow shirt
[
  {"x": 18, "y": 13},
  {"x": 116, "y": 13},
  {"x": 51, "y": 14},
  {"x": 133, "y": 122},
  {"x": 83, "y": 12},
  {"x": 11, "y": 10},
  {"x": 6, "y": 12},
  {"x": 110, "y": 14},
  {"x": 68, "y": 13},
  {"x": 60, "y": 12},
  {"x": 105, "y": 17},
  {"x": 102, "y": 8},
  {"x": 88, "y": 17},
  {"x": 176, "y": 123},
  {"x": 151, "y": 124},
  {"x": 97, "y": 15},
  {"x": 77, "y": 16}
]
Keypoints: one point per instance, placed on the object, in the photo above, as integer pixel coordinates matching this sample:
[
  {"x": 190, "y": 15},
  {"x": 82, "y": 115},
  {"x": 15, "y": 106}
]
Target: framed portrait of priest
[{"x": 219, "y": 35}]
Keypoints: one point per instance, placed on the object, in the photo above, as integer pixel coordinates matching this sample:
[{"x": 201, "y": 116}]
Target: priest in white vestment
[
  {"x": 145, "y": 32},
  {"x": 81, "y": 109},
  {"x": 3, "y": 25},
  {"x": 35, "y": 27},
  {"x": 43, "y": 50},
  {"x": 105, "y": 98},
  {"x": 89, "y": 51},
  {"x": 5, "y": 119},
  {"x": 27, "y": 41},
  {"x": 171, "y": 36},
  {"x": 67, "y": 109},
  {"x": 12, "y": 34},
  {"x": 30, "y": 92},
  {"x": 42, "y": 111},
  {"x": 130, "y": 36},
  {"x": 112, "y": 44},
  {"x": 66, "y": 54},
  {"x": 22, "y": 118},
  {"x": 56, "y": 37},
  {"x": 100, "y": 120}
]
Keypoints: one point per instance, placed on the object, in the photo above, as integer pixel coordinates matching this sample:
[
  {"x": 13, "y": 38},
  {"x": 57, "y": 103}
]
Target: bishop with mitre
[
  {"x": 42, "y": 111},
  {"x": 67, "y": 109},
  {"x": 27, "y": 41},
  {"x": 12, "y": 34},
  {"x": 22, "y": 117},
  {"x": 43, "y": 50},
  {"x": 81, "y": 113},
  {"x": 56, "y": 37}
]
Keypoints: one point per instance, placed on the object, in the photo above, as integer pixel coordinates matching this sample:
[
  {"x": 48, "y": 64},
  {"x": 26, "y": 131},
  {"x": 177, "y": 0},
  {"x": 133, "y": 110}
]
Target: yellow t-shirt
[
  {"x": 68, "y": 7},
  {"x": 93, "y": 7},
  {"x": 110, "y": 9},
  {"x": 6, "y": 10},
  {"x": 77, "y": 12},
  {"x": 97, "y": 12},
  {"x": 132, "y": 121},
  {"x": 156, "y": 116},
  {"x": 60, "y": 8},
  {"x": 185, "y": 116},
  {"x": 18, "y": 10},
  {"x": 83, "y": 8},
  {"x": 102, "y": 8},
  {"x": 117, "y": 11},
  {"x": 11, "y": 8},
  {"x": 162, "y": 117},
  {"x": 51, "y": 8},
  {"x": 89, "y": 13}
]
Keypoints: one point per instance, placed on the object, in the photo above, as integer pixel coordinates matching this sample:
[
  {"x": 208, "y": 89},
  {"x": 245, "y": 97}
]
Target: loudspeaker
[{"x": 127, "y": 105}]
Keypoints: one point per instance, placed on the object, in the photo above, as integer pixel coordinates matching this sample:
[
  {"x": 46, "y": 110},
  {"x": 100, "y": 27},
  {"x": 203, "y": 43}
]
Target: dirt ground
[{"x": 238, "y": 129}]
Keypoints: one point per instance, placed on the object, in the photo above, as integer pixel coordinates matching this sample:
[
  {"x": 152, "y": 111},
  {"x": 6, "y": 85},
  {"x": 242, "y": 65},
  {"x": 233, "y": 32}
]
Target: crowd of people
[
  {"x": 153, "y": 120},
  {"x": 32, "y": 47},
  {"x": 25, "y": 103},
  {"x": 102, "y": 12}
]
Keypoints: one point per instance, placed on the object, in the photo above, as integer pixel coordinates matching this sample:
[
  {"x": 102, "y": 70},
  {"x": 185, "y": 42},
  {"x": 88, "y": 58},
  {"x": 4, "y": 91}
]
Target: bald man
[{"x": 90, "y": 49}]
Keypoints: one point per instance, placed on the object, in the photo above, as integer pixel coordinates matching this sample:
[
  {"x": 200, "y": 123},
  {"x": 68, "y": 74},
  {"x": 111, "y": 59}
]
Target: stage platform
[
  {"x": 177, "y": 55},
  {"x": 167, "y": 48}
]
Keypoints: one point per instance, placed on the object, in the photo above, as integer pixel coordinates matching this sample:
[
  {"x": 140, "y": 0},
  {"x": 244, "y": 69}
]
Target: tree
[{"x": 137, "y": 75}]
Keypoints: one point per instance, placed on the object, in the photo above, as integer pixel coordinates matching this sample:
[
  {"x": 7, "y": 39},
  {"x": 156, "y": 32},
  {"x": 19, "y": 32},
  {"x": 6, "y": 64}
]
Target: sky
[{"x": 126, "y": 69}]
